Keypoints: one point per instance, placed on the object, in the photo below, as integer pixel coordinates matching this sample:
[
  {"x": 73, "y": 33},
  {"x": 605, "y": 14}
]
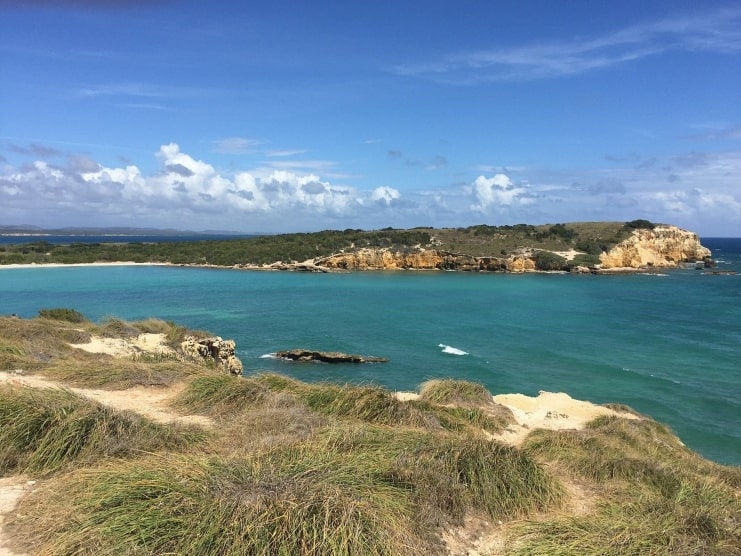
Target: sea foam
[{"x": 452, "y": 350}]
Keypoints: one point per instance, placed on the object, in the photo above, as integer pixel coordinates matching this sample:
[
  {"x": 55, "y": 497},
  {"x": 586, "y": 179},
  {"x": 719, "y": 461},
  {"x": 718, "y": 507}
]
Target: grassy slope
[
  {"x": 476, "y": 240},
  {"x": 296, "y": 468}
]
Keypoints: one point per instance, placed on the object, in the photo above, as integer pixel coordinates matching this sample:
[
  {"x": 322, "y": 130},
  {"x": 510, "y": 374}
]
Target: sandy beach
[{"x": 63, "y": 265}]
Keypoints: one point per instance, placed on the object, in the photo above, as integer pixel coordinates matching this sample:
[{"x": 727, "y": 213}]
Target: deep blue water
[{"x": 668, "y": 345}]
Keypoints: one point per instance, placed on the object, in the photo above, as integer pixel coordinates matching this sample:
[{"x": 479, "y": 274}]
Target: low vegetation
[
  {"x": 295, "y": 468},
  {"x": 45, "y": 430},
  {"x": 482, "y": 240}
]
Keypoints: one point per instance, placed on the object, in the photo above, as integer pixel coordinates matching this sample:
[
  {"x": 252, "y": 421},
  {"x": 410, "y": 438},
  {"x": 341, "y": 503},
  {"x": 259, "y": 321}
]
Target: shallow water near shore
[{"x": 666, "y": 344}]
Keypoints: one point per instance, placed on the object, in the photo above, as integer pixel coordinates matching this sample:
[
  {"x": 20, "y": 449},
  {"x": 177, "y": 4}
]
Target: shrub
[
  {"x": 586, "y": 260},
  {"x": 63, "y": 314},
  {"x": 640, "y": 224},
  {"x": 547, "y": 260}
]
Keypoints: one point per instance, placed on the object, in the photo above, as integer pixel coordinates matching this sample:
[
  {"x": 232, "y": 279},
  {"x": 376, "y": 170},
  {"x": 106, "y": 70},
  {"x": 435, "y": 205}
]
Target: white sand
[
  {"x": 62, "y": 265},
  {"x": 549, "y": 410},
  {"x": 118, "y": 347}
]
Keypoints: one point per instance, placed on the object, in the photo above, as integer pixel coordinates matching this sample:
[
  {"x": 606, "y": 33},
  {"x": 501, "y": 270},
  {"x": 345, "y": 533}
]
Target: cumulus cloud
[
  {"x": 696, "y": 190},
  {"x": 385, "y": 195},
  {"x": 497, "y": 191}
]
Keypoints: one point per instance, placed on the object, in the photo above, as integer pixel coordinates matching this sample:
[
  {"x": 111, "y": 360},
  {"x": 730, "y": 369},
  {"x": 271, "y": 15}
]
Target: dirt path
[{"x": 152, "y": 402}]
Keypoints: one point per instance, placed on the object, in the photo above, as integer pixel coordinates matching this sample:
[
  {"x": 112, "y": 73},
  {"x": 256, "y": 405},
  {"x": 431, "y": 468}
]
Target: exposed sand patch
[
  {"x": 570, "y": 254},
  {"x": 152, "y": 402},
  {"x": 12, "y": 489},
  {"x": 548, "y": 410},
  {"x": 119, "y": 347}
]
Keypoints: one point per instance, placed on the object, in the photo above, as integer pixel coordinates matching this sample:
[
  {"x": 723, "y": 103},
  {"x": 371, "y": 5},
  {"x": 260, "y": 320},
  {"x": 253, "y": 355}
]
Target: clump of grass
[
  {"x": 657, "y": 497},
  {"x": 286, "y": 502},
  {"x": 63, "y": 314},
  {"x": 695, "y": 519},
  {"x": 450, "y": 474},
  {"x": 31, "y": 344},
  {"x": 371, "y": 404},
  {"x": 501, "y": 480},
  {"x": 174, "y": 333},
  {"x": 610, "y": 448},
  {"x": 116, "y": 328},
  {"x": 153, "y": 326},
  {"x": 220, "y": 395},
  {"x": 279, "y": 420},
  {"x": 454, "y": 392},
  {"x": 93, "y": 371},
  {"x": 463, "y": 418},
  {"x": 43, "y": 430}
]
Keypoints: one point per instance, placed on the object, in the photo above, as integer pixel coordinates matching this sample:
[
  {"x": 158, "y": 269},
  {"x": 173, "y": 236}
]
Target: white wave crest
[
  {"x": 268, "y": 356},
  {"x": 452, "y": 350}
]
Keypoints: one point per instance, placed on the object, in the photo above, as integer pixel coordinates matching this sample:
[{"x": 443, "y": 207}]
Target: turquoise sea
[{"x": 668, "y": 344}]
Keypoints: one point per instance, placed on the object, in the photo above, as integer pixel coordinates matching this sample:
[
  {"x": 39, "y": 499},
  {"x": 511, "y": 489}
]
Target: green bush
[
  {"x": 640, "y": 224},
  {"x": 546, "y": 260},
  {"x": 586, "y": 260},
  {"x": 66, "y": 315}
]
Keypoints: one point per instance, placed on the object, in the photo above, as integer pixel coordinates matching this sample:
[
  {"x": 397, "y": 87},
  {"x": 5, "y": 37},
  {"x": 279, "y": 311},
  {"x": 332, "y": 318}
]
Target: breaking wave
[{"x": 452, "y": 350}]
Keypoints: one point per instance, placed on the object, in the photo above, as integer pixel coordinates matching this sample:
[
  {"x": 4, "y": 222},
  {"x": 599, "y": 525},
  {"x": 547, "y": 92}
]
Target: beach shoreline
[{"x": 64, "y": 265}]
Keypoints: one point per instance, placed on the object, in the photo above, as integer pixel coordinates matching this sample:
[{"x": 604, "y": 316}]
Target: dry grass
[
  {"x": 656, "y": 497},
  {"x": 44, "y": 430}
]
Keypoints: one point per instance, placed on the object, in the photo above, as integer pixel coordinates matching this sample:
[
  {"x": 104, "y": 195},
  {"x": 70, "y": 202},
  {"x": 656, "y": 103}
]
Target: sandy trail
[{"x": 152, "y": 402}]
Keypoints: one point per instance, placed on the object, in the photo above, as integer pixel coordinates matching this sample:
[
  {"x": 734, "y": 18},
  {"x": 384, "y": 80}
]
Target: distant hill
[
  {"x": 104, "y": 231},
  {"x": 547, "y": 247}
]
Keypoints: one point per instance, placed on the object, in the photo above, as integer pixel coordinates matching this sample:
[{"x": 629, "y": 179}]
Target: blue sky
[{"x": 300, "y": 116}]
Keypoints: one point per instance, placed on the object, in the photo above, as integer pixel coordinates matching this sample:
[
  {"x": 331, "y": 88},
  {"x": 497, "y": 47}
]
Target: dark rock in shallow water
[{"x": 327, "y": 356}]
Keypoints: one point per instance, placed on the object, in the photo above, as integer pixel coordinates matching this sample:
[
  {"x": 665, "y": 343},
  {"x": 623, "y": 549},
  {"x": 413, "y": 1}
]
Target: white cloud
[
  {"x": 496, "y": 191},
  {"x": 703, "y": 194},
  {"x": 385, "y": 194}
]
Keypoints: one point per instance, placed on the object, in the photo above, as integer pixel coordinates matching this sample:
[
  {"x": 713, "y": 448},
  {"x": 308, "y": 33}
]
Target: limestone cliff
[{"x": 661, "y": 247}]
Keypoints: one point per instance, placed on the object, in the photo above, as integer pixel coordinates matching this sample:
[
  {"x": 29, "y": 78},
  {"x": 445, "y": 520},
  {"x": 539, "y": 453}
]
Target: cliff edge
[{"x": 660, "y": 247}]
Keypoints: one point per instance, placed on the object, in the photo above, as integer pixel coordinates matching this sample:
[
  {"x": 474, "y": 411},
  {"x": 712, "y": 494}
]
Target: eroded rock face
[
  {"x": 662, "y": 247},
  {"x": 214, "y": 349},
  {"x": 384, "y": 259}
]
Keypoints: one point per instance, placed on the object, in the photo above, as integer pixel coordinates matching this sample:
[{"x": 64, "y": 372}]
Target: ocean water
[{"x": 667, "y": 344}]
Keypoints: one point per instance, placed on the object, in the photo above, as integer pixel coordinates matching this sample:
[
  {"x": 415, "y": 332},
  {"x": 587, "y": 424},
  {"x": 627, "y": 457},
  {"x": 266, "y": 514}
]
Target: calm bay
[{"x": 667, "y": 344}]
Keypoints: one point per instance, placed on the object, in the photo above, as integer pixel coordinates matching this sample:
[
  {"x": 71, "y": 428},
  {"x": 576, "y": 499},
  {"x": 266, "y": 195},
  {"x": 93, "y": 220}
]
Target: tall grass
[
  {"x": 220, "y": 395},
  {"x": 44, "y": 430},
  {"x": 657, "y": 497},
  {"x": 96, "y": 371},
  {"x": 455, "y": 392},
  {"x": 695, "y": 519},
  {"x": 288, "y": 502}
]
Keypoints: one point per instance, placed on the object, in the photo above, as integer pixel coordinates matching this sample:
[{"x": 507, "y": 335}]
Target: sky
[{"x": 284, "y": 116}]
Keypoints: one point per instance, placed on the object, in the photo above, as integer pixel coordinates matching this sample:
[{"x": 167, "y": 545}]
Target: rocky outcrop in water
[
  {"x": 660, "y": 247},
  {"x": 327, "y": 356},
  {"x": 214, "y": 349}
]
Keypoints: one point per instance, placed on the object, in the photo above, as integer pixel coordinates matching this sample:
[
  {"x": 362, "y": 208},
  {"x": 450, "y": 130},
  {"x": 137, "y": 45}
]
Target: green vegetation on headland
[
  {"x": 294, "y": 468},
  {"x": 590, "y": 238}
]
